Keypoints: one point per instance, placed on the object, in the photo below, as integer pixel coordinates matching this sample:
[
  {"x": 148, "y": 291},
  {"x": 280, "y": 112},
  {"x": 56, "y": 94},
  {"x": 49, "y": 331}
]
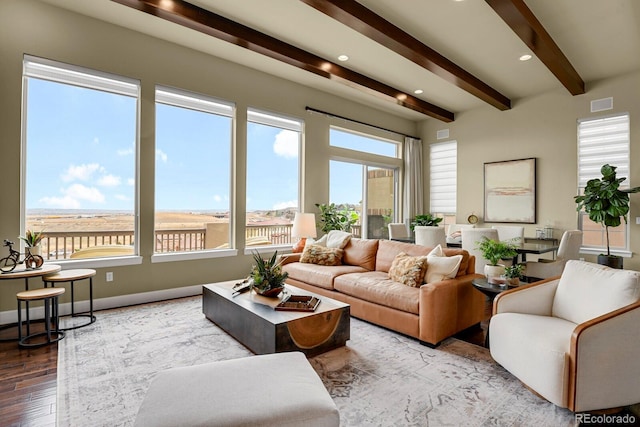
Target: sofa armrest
[
  {"x": 534, "y": 298},
  {"x": 605, "y": 361},
  {"x": 288, "y": 258},
  {"x": 449, "y": 306}
]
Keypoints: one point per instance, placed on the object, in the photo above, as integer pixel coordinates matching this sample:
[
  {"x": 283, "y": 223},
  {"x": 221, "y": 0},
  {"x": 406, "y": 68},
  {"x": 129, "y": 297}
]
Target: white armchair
[
  {"x": 510, "y": 233},
  {"x": 398, "y": 230},
  {"x": 569, "y": 249},
  {"x": 573, "y": 339},
  {"x": 430, "y": 236}
]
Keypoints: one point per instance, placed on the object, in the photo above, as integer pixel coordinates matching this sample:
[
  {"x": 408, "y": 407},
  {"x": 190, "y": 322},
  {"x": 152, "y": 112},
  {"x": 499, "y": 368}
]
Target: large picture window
[
  {"x": 443, "y": 176},
  {"x": 600, "y": 141},
  {"x": 364, "y": 179},
  {"x": 193, "y": 171},
  {"x": 80, "y": 159},
  {"x": 273, "y": 177}
]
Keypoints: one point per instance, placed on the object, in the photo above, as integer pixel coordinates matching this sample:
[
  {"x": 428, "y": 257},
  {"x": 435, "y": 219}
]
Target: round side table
[{"x": 490, "y": 290}]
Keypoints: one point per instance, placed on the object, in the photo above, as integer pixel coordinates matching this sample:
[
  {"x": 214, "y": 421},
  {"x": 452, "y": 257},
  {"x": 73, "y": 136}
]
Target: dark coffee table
[{"x": 253, "y": 321}]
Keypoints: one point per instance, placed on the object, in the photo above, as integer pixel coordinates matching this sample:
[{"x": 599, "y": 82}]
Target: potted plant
[
  {"x": 494, "y": 251},
  {"x": 267, "y": 277},
  {"x": 32, "y": 240},
  {"x": 606, "y": 204},
  {"x": 513, "y": 273},
  {"x": 332, "y": 218},
  {"x": 426, "y": 220}
]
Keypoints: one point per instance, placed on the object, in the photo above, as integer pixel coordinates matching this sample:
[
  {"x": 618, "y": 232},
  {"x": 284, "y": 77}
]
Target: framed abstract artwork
[{"x": 510, "y": 191}]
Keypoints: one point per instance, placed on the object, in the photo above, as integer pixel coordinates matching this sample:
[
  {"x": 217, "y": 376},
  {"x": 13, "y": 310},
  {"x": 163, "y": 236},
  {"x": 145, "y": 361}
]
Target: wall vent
[
  {"x": 442, "y": 134},
  {"x": 601, "y": 104}
]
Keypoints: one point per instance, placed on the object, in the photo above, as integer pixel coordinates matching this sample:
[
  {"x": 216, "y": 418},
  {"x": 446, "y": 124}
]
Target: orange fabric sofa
[{"x": 430, "y": 313}]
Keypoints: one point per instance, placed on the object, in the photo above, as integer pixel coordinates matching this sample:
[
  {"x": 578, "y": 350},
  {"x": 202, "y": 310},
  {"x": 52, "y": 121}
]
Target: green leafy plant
[
  {"x": 494, "y": 250},
  {"x": 604, "y": 202},
  {"x": 427, "y": 220},
  {"x": 267, "y": 274},
  {"x": 32, "y": 238},
  {"x": 333, "y": 218},
  {"x": 514, "y": 271}
]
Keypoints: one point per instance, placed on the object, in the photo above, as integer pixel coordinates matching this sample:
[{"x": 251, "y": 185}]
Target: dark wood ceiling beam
[
  {"x": 524, "y": 23},
  {"x": 204, "y": 21},
  {"x": 368, "y": 23}
]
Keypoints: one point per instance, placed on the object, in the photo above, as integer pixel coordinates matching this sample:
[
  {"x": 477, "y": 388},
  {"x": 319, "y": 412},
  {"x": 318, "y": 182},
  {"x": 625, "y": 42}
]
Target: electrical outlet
[
  {"x": 638, "y": 220},
  {"x": 109, "y": 276}
]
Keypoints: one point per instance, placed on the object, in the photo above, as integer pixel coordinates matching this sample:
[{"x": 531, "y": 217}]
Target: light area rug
[{"x": 380, "y": 378}]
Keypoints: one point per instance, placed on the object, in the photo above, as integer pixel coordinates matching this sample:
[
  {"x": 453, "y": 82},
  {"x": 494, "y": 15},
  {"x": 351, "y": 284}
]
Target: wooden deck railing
[{"x": 60, "y": 245}]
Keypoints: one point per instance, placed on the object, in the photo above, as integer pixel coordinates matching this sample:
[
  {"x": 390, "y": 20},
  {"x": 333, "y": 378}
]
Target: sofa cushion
[
  {"x": 388, "y": 249},
  {"x": 361, "y": 252},
  {"x": 338, "y": 239},
  {"x": 440, "y": 266},
  {"x": 588, "y": 290},
  {"x": 315, "y": 254},
  {"x": 376, "y": 287},
  {"x": 318, "y": 275},
  {"x": 408, "y": 270}
]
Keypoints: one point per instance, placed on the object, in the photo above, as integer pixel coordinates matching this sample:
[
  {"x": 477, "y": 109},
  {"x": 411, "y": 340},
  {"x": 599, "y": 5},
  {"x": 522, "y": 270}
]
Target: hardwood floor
[
  {"x": 28, "y": 379},
  {"x": 27, "y": 383}
]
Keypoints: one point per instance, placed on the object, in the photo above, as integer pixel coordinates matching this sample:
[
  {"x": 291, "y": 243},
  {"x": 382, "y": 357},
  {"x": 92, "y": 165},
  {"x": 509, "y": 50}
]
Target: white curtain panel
[{"x": 413, "y": 184}]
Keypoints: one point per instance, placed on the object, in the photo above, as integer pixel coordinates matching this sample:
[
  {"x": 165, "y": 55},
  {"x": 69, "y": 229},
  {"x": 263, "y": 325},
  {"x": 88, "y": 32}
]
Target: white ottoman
[{"x": 279, "y": 389}]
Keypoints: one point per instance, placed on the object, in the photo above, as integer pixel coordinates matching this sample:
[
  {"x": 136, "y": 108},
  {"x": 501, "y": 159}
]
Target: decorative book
[{"x": 298, "y": 303}]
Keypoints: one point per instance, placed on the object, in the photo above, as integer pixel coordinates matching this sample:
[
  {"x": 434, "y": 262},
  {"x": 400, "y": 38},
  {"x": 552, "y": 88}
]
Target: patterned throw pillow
[
  {"x": 408, "y": 270},
  {"x": 315, "y": 254}
]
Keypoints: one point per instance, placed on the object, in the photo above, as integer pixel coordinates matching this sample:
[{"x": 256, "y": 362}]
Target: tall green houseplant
[
  {"x": 606, "y": 204},
  {"x": 332, "y": 218}
]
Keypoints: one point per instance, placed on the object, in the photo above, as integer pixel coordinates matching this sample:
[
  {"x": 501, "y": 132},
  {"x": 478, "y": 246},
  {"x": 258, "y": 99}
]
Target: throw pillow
[
  {"x": 338, "y": 239},
  {"x": 320, "y": 242},
  {"x": 315, "y": 254},
  {"x": 408, "y": 270},
  {"x": 440, "y": 266}
]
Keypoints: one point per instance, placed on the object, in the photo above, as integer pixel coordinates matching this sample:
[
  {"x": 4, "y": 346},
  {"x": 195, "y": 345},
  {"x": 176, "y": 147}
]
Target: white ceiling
[{"x": 601, "y": 38}]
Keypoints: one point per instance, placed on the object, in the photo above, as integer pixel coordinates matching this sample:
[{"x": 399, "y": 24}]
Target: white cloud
[
  {"x": 125, "y": 151},
  {"x": 217, "y": 198},
  {"x": 161, "y": 155},
  {"x": 131, "y": 182},
  {"x": 81, "y": 192},
  {"x": 96, "y": 140},
  {"x": 81, "y": 172},
  {"x": 121, "y": 197},
  {"x": 61, "y": 202},
  {"x": 73, "y": 195},
  {"x": 284, "y": 205},
  {"x": 109, "y": 181},
  {"x": 286, "y": 144}
]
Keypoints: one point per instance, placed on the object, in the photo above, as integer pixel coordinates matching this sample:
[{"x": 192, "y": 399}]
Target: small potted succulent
[
  {"x": 267, "y": 277},
  {"x": 513, "y": 273},
  {"x": 32, "y": 240}
]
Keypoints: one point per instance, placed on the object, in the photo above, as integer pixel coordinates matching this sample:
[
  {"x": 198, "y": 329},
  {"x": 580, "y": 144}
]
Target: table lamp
[{"x": 304, "y": 225}]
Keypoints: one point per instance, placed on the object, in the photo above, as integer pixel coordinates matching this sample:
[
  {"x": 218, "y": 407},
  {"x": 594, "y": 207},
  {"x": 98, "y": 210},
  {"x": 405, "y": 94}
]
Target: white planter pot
[{"x": 493, "y": 273}]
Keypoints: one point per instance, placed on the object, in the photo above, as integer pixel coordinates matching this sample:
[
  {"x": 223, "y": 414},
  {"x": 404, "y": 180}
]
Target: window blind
[
  {"x": 193, "y": 101},
  {"x": 269, "y": 119},
  {"x": 443, "y": 177},
  {"x": 601, "y": 141},
  {"x": 78, "y": 76}
]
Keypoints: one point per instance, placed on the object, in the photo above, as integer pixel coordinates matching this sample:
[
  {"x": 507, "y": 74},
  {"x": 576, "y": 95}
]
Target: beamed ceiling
[{"x": 461, "y": 54}]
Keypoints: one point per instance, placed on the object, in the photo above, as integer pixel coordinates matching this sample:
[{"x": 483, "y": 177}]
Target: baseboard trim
[{"x": 11, "y": 317}]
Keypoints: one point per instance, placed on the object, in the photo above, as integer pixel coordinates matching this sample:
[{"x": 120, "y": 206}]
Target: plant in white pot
[
  {"x": 427, "y": 232},
  {"x": 494, "y": 251}
]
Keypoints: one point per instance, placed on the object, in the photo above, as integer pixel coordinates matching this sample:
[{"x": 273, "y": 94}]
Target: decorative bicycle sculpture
[{"x": 30, "y": 261}]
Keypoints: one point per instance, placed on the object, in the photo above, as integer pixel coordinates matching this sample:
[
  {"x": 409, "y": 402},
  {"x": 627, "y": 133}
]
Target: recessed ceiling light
[
  {"x": 343, "y": 58},
  {"x": 525, "y": 57},
  {"x": 418, "y": 91}
]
